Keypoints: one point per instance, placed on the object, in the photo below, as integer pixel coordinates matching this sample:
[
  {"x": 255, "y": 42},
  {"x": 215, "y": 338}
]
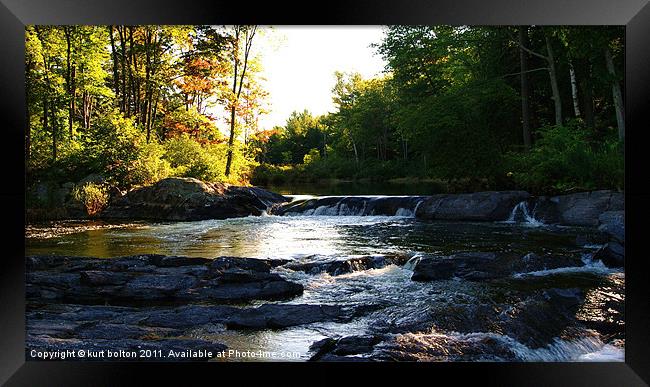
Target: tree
[
  {"x": 525, "y": 114},
  {"x": 241, "y": 44}
]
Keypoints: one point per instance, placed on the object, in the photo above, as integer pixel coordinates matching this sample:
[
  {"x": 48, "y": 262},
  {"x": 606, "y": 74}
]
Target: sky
[{"x": 299, "y": 62}]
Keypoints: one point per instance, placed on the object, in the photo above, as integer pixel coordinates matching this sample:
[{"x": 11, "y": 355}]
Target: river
[{"x": 424, "y": 315}]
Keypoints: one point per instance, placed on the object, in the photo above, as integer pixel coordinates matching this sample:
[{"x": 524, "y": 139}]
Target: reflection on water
[{"x": 291, "y": 237}]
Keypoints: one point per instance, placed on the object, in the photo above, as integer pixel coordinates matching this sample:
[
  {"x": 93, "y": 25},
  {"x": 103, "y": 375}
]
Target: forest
[{"x": 539, "y": 108}]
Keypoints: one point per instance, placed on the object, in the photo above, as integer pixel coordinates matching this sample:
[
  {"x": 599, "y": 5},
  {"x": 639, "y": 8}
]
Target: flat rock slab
[
  {"x": 477, "y": 266},
  {"x": 94, "y": 328},
  {"x": 479, "y": 206},
  {"x": 155, "y": 279}
]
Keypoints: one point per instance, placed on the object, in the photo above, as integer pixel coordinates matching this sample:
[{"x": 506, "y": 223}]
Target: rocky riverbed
[{"x": 493, "y": 276}]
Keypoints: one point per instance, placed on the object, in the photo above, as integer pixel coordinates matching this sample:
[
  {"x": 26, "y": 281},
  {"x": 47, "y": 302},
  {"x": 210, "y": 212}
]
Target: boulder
[
  {"x": 185, "y": 199},
  {"x": 611, "y": 254},
  {"x": 478, "y": 266},
  {"x": 348, "y": 265},
  {"x": 613, "y": 224},
  {"x": 479, "y": 206},
  {"x": 155, "y": 279},
  {"x": 585, "y": 208}
]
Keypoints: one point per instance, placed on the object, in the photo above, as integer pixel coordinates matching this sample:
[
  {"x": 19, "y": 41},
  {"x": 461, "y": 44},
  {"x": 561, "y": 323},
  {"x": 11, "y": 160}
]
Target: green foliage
[
  {"x": 564, "y": 160},
  {"x": 131, "y": 103},
  {"x": 94, "y": 197},
  {"x": 189, "y": 159},
  {"x": 312, "y": 156}
]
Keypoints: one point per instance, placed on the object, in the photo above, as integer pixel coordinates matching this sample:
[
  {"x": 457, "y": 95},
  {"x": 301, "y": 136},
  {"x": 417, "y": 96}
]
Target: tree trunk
[
  {"x": 616, "y": 95},
  {"x": 554, "y": 87},
  {"x": 525, "y": 114},
  {"x": 574, "y": 90},
  {"x": 68, "y": 80},
  {"x": 116, "y": 79},
  {"x": 123, "y": 65},
  {"x": 231, "y": 139},
  {"x": 54, "y": 130},
  {"x": 134, "y": 78},
  {"x": 45, "y": 113},
  {"x": 583, "y": 73}
]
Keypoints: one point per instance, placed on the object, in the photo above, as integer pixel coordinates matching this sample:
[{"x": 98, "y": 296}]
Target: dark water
[{"x": 403, "y": 302}]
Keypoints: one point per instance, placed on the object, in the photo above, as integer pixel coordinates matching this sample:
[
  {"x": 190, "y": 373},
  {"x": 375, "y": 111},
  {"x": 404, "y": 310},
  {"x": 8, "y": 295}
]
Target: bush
[
  {"x": 94, "y": 197},
  {"x": 563, "y": 160},
  {"x": 150, "y": 167}
]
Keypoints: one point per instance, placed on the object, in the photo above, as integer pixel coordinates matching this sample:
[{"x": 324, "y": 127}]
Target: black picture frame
[{"x": 15, "y": 14}]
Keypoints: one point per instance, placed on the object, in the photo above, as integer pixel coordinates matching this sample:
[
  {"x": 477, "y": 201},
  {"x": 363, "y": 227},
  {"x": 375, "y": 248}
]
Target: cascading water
[
  {"x": 400, "y": 206},
  {"x": 522, "y": 214}
]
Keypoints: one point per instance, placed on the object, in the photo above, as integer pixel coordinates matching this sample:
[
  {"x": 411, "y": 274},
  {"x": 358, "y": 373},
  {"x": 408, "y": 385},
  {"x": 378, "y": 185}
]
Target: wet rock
[
  {"x": 155, "y": 278},
  {"x": 345, "y": 348},
  {"x": 190, "y": 199},
  {"x": 583, "y": 208},
  {"x": 281, "y": 316},
  {"x": 352, "y": 205},
  {"x": 536, "y": 320},
  {"x": 479, "y": 206},
  {"x": 91, "y": 321},
  {"x": 445, "y": 347},
  {"x": 478, "y": 266},
  {"x": 611, "y": 254},
  {"x": 338, "y": 267},
  {"x": 613, "y": 224}
]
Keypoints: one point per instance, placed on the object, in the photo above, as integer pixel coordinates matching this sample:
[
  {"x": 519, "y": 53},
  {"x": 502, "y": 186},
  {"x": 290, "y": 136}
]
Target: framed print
[{"x": 436, "y": 187}]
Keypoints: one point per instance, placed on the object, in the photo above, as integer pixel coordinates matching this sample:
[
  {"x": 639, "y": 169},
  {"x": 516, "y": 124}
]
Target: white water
[
  {"x": 590, "y": 266},
  {"x": 526, "y": 215},
  {"x": 341, "y": 208},
  {"x": 587, "y": 348}
]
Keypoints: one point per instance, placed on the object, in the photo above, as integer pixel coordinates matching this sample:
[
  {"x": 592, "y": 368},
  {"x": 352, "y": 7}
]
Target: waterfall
[
  {"x": 522, "y": 214},
  {"x": 400, "y": 206},
  {"x": 409, "y": 213},
  {"x": 410, "y": 264}
]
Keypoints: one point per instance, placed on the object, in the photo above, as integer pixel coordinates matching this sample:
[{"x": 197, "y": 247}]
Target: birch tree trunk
[
  {"x": 574, "y": 90},
  {"x": 617, "y": 95}
]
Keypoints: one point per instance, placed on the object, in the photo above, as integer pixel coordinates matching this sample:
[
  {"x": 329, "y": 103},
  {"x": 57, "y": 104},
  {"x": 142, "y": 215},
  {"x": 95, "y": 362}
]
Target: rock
[
  {"x": 613, "y": 224},
  {"x": 480, "y": 206},
  {"x": 186, "y": 199},
  {"x": 98, "y": 322},
  {"x": 338, "y": 267},
  {"x": 611, "y": 254},
  {"x": 280, "y": 316},
  {"x": 463, "y": 265},
  {"x": 585, "y": 208},
  {"x": 352, "y": 205},
  {"x": 156, "y": 279},
  {"x": 478, "y": 266}
]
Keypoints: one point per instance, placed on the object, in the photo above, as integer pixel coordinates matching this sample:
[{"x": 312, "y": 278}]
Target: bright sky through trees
[{"x": 299, "y": 64}]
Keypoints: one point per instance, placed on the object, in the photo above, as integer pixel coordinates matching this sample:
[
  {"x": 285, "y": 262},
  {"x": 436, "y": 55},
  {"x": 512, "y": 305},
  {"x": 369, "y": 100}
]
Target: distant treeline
[{"x": 538, "y": 108}]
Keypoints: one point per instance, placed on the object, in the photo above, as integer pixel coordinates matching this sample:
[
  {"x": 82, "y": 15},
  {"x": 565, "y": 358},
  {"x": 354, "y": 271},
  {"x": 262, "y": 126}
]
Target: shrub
[
  {"x": 94, "y": 197},
  {"x": 150, "y": 166},
  {"x": 188, "y": 158},
  {"x": 563, "y": 160}
]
